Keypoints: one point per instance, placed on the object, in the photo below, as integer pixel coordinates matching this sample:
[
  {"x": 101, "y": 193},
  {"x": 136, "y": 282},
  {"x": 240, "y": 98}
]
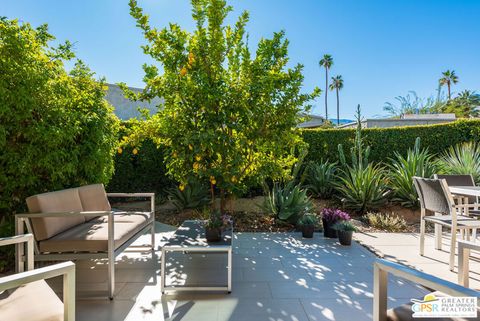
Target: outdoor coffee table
[{"x": 190, "y": 238}]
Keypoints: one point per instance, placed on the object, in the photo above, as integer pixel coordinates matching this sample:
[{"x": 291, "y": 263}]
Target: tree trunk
[
  {"x": 449, "y": 95},
  {"x": 223, "y": 202},
  {"x": 338, "y": 109},
  {"x": 212, "y": 195},
  {"x": 326, "y": 93}
]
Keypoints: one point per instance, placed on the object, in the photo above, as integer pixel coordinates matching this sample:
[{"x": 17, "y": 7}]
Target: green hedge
[
  {"x": 385, "y": 141},
  {"x": 146, "y": 171},
  {"x": 143, "y": 172}
]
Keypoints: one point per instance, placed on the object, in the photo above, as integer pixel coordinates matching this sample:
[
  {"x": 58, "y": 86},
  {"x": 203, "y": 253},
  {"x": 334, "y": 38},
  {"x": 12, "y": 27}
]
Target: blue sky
[{"x": 381, "y": 48}]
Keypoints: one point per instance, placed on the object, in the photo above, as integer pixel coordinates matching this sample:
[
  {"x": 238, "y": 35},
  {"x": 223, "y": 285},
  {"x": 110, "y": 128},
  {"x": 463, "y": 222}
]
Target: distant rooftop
[
  {"x": 126, "y": 109},
  {"x": 428, "y": 116},
  {"x": 312, "y": 122},
  {"x": 405, "y": 120}
]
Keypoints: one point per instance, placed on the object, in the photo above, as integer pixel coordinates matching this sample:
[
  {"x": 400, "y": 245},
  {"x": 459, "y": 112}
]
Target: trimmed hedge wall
[
  {"x": 146, "y": 171},
  {"x": 143, "y": 172},
  {"x": 385, "y": 141}
]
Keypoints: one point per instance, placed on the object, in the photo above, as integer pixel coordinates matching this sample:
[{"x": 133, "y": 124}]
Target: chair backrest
[
  {"x": 459, "y": 180},
  {"x": 434, "y": 195},
  {"x": 67, "y": 200},
  {"x": 85, "y": 198}
]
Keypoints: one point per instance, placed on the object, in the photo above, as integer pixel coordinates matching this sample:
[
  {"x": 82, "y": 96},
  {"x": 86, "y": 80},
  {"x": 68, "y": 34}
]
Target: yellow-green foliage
[
  {"x": 56, "y": 129},
  {"x": 228, "y": 115}
]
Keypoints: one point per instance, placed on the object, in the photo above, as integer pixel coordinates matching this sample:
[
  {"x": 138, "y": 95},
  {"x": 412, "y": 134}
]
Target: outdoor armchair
[
  {"x": 26, "y": 296},
  {"x": 382, "y": 268},
  {"x": 79, "y": 224},
  {"x": 435, "y": 198}
]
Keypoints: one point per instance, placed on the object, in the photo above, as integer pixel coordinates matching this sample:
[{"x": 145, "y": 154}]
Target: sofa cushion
[
  {"x": 92, "y": 236},
  {"x": 93, "y": 198},
  {"x": 67, "y": 200},
  {"x": 32, "y": 301}
]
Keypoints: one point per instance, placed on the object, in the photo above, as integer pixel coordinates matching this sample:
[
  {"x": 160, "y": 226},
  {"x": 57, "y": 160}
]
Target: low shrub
[
  {"x": 288, "y": 203},
  {"x": 192, "y": 196},
  {"x": 418, "y": 162},
  {"x": 319, "y": 179},
  {"x": 461, "y": 159},
  {"x": 386, "y": 222},
  {"x": 362, "y": 188}
]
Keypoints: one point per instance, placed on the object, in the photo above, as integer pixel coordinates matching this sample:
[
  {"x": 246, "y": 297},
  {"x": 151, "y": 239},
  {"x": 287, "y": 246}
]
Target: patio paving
[
  {"x": 276, "y": 276},
  {"x": 404, "y": 248}
]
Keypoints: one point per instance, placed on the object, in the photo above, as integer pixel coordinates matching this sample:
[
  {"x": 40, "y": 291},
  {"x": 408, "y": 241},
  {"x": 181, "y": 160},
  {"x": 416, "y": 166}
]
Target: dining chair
[
  {"x": 438, "y": 207},
  {"x": 463, "y": 180}
]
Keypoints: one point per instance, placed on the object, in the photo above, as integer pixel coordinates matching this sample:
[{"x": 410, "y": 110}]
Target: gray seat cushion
[
  {"x": 33, "y": 301},
  {"x": 92, "y": 236}
]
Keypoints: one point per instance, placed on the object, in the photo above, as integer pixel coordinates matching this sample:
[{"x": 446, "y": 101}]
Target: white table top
[{"x": 465, "y": 190}]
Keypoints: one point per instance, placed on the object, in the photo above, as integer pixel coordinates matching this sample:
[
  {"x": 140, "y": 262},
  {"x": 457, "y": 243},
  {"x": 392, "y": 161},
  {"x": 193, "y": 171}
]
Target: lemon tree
[{"x": 228, "y": 114}]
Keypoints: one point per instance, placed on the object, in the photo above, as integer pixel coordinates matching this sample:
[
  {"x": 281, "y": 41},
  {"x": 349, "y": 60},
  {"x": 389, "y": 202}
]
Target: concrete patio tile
[
  {"x": 282, "y": 277},
  {"x": 340, "y": 289},
  {"x": 269, "y": 274},
  {"x": 260, "y": 261},
  {"x": 338, "y": 309},
  {"x": 261, "y": 309},
  {"x": 104, "y": 310}
]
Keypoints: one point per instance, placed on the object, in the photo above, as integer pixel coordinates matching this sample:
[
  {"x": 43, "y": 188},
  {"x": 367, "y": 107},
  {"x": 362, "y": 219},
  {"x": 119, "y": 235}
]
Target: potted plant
[
  {"x": 307, "y": 224},
  {"x": 215, "y": 224},
  {"x": 213, "y": 227},
  {"x": 345, "y": 231},
  {"x": 330, "y": 217}
]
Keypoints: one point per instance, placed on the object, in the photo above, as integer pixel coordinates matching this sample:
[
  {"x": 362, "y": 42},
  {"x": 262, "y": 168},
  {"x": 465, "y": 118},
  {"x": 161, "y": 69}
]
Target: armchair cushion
[
  {"x": 67, "y": 200},
  {"x": 92, "y": 236},
  {"x": 33, "y": 301},
  {"x": 93, "y": 198}
]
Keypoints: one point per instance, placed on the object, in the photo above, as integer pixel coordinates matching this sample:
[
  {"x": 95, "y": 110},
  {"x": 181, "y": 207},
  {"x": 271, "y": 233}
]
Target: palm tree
[
  {"x": 326, "y": 62},
  {"x": 448, "y": 79},
  {"x": 337, "y": 85}
]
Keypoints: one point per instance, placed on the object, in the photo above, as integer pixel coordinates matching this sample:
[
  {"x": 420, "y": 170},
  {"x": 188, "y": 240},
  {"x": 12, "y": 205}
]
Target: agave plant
[
  {"x": 362, "y": 188},
  {"x": 194, "y": 195},
  {"x": 418, "y": 162},
  {"x": 461, "y": 159},
  {"x": 288, "y": 203},
  {"x": 319, "y": 179}
]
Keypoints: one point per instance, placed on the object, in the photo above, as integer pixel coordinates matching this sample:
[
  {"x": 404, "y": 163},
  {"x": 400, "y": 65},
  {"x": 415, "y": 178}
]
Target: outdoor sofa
[
  {"x": 26, "y": 296},
  {"x": 79, "y": 224}
]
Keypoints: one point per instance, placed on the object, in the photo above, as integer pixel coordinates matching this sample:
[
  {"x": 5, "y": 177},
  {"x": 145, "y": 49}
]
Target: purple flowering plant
[{"x": 333, "y": 215}]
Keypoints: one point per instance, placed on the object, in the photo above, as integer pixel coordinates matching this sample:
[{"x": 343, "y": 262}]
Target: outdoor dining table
[{"x": 465, "y": 190}]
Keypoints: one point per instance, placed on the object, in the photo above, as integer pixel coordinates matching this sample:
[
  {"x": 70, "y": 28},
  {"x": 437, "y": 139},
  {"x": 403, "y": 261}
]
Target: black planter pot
[
  {"x": 213, "y": 234},
  {"x": 328, "y": 231},
  {"x": 307, "y": 231},
  {"x": 345, "y": 237}
]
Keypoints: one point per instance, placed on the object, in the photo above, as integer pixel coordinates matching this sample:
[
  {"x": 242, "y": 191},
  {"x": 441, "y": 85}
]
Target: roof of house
[
  {"x": 126, "y": 109},
  {"x": 312, "y": 122}
]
